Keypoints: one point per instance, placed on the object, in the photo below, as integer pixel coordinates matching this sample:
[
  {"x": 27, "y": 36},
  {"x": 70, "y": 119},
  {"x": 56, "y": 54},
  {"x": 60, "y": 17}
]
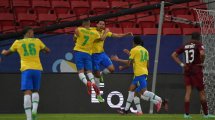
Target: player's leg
[
  {"x": 147, "y": 95},
  {"x": 35, "y": 94},
  {"x": 88, "y": 68},
  {"x": 188, "y": 90},
  {"x": 27, "y": 86},
  {"x": 137, "y": 104},
  {"x": 96, "y": 59},
  {"x": 79, "y": 60},
  {"x": 107, "y": 63},
  {"x": 187, "y": 101}
]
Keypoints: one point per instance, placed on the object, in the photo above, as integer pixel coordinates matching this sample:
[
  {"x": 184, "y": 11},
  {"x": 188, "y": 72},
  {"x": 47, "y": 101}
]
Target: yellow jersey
[
  {"x": 140, "y": 57},
  {"x": 28, "y": 50},
  {"x": 98, "y": 46},
  {"x": 84, "y": 42}
]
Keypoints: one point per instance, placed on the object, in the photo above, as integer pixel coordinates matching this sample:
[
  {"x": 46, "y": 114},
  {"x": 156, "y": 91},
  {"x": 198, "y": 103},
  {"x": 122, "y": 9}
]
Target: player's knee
[
  {"x": 111, "y": 69},
  {"x": 27, "y": 92}
]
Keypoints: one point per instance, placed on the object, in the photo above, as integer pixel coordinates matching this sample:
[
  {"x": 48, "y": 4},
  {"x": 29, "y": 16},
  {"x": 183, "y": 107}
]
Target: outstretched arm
[
  {"x": 46, "y": 50},
  {"x": 6, "y": 52},
  {"x": 121, "y": 35},
  {"x": 126, "y": 62}
]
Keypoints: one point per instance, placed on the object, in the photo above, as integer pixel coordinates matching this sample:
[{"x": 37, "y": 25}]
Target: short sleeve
[
  {"x": 109, "y": 34},
  {"x": 42, "y": 45},
  {"x": 132, "y": 54},
  {"x": 180, "y": 50},
  {"x": 13, "y": 48}
]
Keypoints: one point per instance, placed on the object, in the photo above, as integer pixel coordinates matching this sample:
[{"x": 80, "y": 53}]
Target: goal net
[{"x": 207, "y": 24}]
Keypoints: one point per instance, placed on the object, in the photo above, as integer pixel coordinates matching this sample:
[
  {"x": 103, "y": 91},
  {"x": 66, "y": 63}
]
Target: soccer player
[
  {"x": 139, "y": 57},
  {"x": 84, "y": 38},
  {"x": 29, "y": 49},
  {"x": 193, "y": 71},
  {"x": 99, "y": 57}
]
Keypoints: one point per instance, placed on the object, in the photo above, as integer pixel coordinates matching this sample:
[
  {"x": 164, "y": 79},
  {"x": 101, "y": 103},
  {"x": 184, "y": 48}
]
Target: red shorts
[{"x": 193, "y": 75}]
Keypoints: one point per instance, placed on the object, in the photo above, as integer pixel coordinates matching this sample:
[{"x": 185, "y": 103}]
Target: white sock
[
  {"x": 129, "y": 100},
  {"x": 27, "y": 106},
  {"x": 91, "y": 77},
  {"x": 153, "y": 98},
  {"x": 35, "y": 101},
  {"x": 106, "y": 71},
  {"x": 97, "y": 81},
  {"x": 83, "y": 78},
  {"x": 137, "y": 103}
]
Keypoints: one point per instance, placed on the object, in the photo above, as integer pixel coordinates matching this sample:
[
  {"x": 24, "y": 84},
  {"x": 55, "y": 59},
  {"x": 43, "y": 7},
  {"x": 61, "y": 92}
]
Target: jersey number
[
  {"x": 189, "y": 56},
  {"x": 86, "y": 38},
  {"x": 143, "y": 56},
  {"x": 29, "y": 49}
]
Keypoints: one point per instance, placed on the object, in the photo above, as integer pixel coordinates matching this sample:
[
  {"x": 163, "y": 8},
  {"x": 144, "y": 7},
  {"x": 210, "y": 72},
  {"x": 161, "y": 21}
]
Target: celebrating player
[
  {"x": 29, "y": 49},
  {"x": 193, "y": 71},
  {"x": 85, "y": 36},
  {"x": 99, "y": 57},
  {"x": 139, "y": 57}
]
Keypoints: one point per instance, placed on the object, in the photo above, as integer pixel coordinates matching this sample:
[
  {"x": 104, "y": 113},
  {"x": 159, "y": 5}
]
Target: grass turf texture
[{"x": 101, "y": 117}]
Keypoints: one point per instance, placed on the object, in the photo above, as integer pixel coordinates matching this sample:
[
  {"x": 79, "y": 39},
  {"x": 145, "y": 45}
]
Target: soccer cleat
[
  {"x": 208, "y": 116},
  {"x": 187, "y": 116},
  {"x": 158, "y": 106},
  {"x": 99, "y": 98},
  {"x": 122, "y": 112},
  {"x": 89, "y": 91},
  {"x": 34, "y": 115},
  {"x": 101, "y": 78},
  {"x": 139, "y": 113},
  {"x": 165, "y": 104},
  {"x": 96, "y": 89}
]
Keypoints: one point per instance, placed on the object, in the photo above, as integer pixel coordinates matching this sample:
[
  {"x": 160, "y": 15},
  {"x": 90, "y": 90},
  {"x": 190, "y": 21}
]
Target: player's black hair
[
  {"x": 138, "y": 40},
  {"x": 85, "y": 21},
  {"x": 195, "y": 36},
  {"x": 26, "y": 29}
]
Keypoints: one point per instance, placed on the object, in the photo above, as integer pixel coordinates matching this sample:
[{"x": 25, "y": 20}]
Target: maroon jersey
[{"x": 192, "y": 52}]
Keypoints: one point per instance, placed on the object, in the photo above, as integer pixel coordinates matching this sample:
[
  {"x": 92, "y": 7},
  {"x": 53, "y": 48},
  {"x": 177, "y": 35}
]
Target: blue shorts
[
  {"x": 140, "y": 81},
  {"x": 31, "y": 80},
  {"x": 83, "y": 61},
  {"x": 100, "y": 59}
]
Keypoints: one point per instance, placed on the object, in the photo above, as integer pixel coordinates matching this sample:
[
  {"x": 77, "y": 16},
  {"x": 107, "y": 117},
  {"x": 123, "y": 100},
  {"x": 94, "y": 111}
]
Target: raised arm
[
  {"x": 6, "y": 52},
  {"x": 121, "y": 35}
]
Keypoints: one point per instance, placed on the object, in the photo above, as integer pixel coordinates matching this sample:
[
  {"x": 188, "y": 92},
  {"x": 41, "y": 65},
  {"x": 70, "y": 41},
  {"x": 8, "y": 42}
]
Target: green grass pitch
[{"x": 101, "y": 117}]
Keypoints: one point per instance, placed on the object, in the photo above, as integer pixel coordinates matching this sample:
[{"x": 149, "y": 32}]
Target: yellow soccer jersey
[
  {"x": 98, "y": 46},
  {"x": 140, "y": 57},
  {"x": 84, "y": 42},
  {"x": 28, "y": 50}
]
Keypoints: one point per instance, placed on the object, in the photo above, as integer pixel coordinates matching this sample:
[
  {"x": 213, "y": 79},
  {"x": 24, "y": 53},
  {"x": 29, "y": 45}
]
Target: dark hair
[
  {"x": 195, "y": 36},
  {"x": 138, "y": 40},
  {"x": 26, "y": 29},
  {"x": 85, "y": 21}
]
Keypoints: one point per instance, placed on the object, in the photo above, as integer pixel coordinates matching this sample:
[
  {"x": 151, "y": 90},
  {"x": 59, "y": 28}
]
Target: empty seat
[
  {"x": 67, "y": 17},
  {"x": 47, "y": 19},
  {"x": 127, "y": 21},
  {"x": 100, "y": 6},
  {"x": 41, "y": 6},
  {"x": 146, "y": 21},
  {"x": 7, "y": 19},
  {"x": 188, "y": 17},
  {"x": 119, "y": 4},
  {"x": 27, "y": 19},
  {"x": 8, "y": 29},
  {"x": 139, "y": 4},
  {"x": 150, "y": 31},
  {"x": 135, "y": 31},
  {"x": 172, "y": 31},
  {"x": 80, "y": 7},
  {"x": 189, "y": 31},
  {"x": 179, "y": 9},
  {"x": 135, "y": 1},
  {"x": 199, "y": 5},
  {"x": 21, "y": 6},
  {"x": 116, "y": 30},
  {"x": 69, "y": 30},
  {"x": 60, "y": 6},
  {"x": 4, "y": 6}
]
